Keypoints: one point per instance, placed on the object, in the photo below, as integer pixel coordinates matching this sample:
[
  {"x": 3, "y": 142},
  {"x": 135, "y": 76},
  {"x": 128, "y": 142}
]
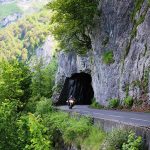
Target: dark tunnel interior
[{"x": 79, "y": 86}]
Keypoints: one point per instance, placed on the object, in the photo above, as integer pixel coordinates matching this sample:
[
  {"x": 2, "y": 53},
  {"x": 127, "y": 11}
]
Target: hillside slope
[{"x": 21, "y": 39}]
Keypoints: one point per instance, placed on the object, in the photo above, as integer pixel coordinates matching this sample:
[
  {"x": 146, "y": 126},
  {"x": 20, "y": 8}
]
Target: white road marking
[
  {"x": 139, "y": 119},
  {"x": 108, "y": 115},
  {"x": 116, "y": 116},
  {"x": 83, "y": 111}
]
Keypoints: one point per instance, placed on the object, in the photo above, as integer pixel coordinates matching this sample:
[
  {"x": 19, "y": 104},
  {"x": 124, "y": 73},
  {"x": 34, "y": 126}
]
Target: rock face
[
  {"x": 46, "y": 50},
  {"x": 10, "y": 19},
  {"x": 123, "y": 30},
  {"x": 43, "y": 53}
]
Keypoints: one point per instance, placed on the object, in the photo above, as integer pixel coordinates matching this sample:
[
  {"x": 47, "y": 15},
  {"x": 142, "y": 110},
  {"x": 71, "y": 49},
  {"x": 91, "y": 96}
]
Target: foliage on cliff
[
  {"x": 22, "y": 38},
  {"x": 71, "y": 23}
]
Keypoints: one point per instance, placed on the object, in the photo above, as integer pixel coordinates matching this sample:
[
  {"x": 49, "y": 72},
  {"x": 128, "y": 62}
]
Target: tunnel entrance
[{"x": 79, "y": 86}]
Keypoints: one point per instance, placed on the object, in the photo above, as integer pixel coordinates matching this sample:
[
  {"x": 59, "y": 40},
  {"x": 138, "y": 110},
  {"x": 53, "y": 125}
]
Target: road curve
[{"x": 131, "y": 118}]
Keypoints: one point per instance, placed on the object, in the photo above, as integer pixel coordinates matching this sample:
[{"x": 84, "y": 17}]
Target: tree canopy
[
  {"x": 71, "y": 23},
  {"x": 20, "y": 39}
]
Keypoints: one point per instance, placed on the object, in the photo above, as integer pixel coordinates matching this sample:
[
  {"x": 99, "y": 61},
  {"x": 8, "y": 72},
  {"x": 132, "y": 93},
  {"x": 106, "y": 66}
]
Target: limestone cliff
[
  {"x": 44, "y": 52},
  {"x": 123, "y": 29}
]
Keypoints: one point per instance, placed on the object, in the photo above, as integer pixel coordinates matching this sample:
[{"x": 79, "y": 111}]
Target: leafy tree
[
  {"x": 43, "y": 78},
  {"x": 72, "y": 22},
  {"x": 8, "y": 127},
  {"x": 32, "y": 133},
  {"x": 15, "y": 79}
]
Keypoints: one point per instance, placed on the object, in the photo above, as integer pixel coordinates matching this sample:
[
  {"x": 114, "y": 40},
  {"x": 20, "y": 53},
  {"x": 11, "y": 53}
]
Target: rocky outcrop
[
  {"x": 70, "y": 63},
  {"x": 10, "y": 19},
  {"x": 43, "y": 53},
  {"x": 46, "y": 50},
  {"x": 123, "y": 29}
]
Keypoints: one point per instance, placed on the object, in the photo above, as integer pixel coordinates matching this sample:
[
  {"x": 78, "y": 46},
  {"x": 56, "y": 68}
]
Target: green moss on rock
[{"x": 108, "y": 57}]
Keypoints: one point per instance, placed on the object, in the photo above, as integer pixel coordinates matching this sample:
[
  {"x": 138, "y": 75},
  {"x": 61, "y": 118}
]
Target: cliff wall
[{"x": 119, "y": 63}]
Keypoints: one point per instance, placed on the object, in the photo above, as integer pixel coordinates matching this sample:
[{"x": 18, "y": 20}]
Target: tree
[
  {"x": 43, "y": 78},
  {"x": 23, "y": 37},
  {"x": 15, "y": 79},
  {"x": 8, "y": 127},
  {"x": 72, "y": 22}
]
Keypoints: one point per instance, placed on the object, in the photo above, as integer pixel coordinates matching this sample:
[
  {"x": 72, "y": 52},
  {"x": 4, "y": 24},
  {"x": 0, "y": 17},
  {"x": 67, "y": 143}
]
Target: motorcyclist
[{"x": 71, "y": 102}]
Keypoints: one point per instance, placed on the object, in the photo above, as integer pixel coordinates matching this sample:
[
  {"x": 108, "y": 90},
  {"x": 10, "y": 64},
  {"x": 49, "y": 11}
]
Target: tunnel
[{"x": 79, "y": 86}]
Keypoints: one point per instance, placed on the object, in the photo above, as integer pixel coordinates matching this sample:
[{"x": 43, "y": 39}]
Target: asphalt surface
[{"x": 131, "y": 118}]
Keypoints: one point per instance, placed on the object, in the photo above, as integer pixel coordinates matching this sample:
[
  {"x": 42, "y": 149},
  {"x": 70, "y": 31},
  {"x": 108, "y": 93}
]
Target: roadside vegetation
[
  {"x": 127, "y": 104},
  {"x": 96, "y": 104},
  {"x": 29, "y": 120}
]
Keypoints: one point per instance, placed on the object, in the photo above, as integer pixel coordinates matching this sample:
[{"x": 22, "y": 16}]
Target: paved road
[{"x": 130, "y": 118}]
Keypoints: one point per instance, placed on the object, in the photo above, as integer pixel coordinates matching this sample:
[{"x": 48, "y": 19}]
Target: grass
[
  {"x": 8, "y": 9},
  {"x": 128, "y": 101},
  {"x": 113, "y": 103},
  {"x": 96, "y": 105},
  {"x": 94, "y": 140}
]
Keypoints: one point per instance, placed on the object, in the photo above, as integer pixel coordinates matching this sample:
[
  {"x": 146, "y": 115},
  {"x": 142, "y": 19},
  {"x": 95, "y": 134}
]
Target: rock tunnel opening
[{"x": 80, "y": 87}]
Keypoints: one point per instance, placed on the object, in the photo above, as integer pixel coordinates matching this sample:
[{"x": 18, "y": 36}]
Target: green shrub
[
  {"x": 113, "y": 103},
  {"x": 96, "y": 105},
  {"x": 73, "y": 130},
  {"x": 115, "y": 139},
  {"x": 94, "y": 140},
  {"x": 128, "y": 101},
  {"x": 33, "y": 133},
  {"x": 76, "y": 131},
  {"x": 133, "y": 143},
  {"x": 31, "y": 105},
  {"x": 44, "y": 106},
  {"x": 108, "y": 57}
]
